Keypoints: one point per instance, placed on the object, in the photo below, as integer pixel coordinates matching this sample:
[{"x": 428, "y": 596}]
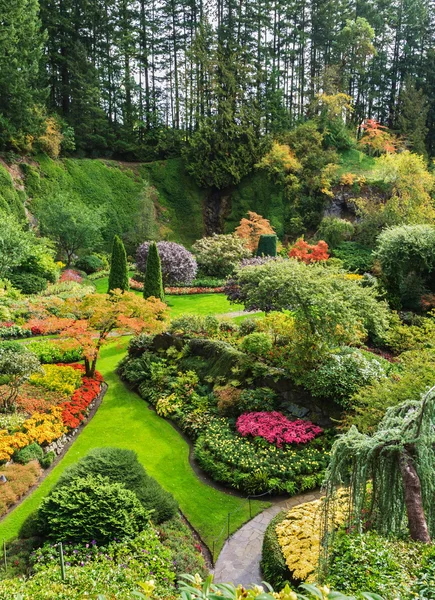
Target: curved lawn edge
[{"x": 124, "y": 420}]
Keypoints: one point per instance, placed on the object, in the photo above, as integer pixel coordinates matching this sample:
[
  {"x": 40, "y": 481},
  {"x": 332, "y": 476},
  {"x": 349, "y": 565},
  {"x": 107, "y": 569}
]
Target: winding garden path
[{"x": 239, "y": 560}]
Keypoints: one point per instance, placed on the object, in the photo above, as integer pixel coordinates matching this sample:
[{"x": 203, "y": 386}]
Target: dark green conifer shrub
[
  {"x": 267, "y": 245},
  {"x": 153, "y": 283},
  {"x": 118, "y": 277},
  {"x": 122, "y": 466}
]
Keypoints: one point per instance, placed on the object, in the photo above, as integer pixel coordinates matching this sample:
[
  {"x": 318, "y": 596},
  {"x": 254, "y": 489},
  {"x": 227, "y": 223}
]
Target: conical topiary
[
  {"x": 153, "y": 283},
  {"x": 118, "y": 277}
]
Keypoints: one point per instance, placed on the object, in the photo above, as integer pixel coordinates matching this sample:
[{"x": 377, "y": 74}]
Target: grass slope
[{"x": 124, "y": 420}]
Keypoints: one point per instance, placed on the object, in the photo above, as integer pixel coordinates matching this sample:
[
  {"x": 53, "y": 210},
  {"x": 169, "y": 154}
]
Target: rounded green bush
[
  {"x": 258, "y": 344},
  {"x": 122, "y": 466},
  {"x": 92, "y": 508},
  {"x": 28, "y": 453},
  {"x": 28, "y": 283},
  {"x": 89, "y": 264}
]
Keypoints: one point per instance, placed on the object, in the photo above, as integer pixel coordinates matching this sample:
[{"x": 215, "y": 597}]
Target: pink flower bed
[
  {"x": 71, "y": 275},
  {"x": 179, "y": 291},
  {"x": 276, "y": 428}
]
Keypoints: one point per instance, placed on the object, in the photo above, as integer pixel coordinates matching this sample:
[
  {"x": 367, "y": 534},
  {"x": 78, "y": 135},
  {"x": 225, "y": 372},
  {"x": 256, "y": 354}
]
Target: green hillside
[{"x": 156, "y": 200}]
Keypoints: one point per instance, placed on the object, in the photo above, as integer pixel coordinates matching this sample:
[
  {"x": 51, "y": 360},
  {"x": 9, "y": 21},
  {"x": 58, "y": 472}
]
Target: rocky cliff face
[{"x": 342, "y": 205}]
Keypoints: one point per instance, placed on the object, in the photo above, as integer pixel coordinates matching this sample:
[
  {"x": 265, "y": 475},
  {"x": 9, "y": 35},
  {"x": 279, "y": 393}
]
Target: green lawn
[
  {"x": 124, "y": 420},
  {"x": 200, "y": 304}
]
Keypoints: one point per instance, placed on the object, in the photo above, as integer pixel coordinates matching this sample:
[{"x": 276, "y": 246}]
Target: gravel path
[
  {"x": 239, "y": 560},
  {"x": 239, "y": 313}
]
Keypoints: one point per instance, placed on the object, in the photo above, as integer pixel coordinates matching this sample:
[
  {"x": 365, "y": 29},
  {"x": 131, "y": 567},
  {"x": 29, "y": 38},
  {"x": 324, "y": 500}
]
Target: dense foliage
[{"x": 178, "y": 264}]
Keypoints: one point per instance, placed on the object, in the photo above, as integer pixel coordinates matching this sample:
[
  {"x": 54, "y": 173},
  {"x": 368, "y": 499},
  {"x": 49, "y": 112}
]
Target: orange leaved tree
[
  {"x": 252, "y": 228},
  {"x": 88, "y": 321},
  {"x": 308, "y": 253},
  {"x": 377, "y": 139}
]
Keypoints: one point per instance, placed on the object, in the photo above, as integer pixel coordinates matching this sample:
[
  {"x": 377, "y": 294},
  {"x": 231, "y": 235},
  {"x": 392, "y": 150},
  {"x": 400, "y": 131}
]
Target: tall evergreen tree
[
  {"x": 412, "y": 115},
  {"x": 118, "y": 276},
  {"x": 153, "y": 283},
  {"x": 21, "y": 41}
]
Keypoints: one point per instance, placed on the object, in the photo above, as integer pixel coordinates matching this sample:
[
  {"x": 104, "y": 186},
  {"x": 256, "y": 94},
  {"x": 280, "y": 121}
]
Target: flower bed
[
  {"x": 179, "y": 291},
  {"x": 20, "y": 479},
  {"x": 56, "y": 420},
  {"x": 255, "y": 466},
  {"x": 276, "y": 428}
]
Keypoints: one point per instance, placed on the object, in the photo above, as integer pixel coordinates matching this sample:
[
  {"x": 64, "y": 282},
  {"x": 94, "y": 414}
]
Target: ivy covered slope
[
  {"x": 160, "y": 200},
  {"x": 133, "y": 200}
]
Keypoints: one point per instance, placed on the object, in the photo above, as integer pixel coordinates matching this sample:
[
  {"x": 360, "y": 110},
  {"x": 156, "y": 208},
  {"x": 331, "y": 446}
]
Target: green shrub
[
  {"x": 153, "y": 282},
  {"x": 267, "y": 245},
  {"x": 355, "y": 257},
  {"x": 91, "y": 508},
  {"x": 122, "y": 466},
  {"x": 28, "y": 453},
  {"x": 49, "y": 352},
  {"x": 219, "y": 255},
  {"x": 424, "y": 584},
  {"x": 188, "y": 325},
  {"x": 258, "y": 344},
  {"x": 414, "y": 376},
  {"x": 343, "y": 374},
  {"x": 373, "y": 563},
  {"x": 118, "y": 276},
  {"x": 89, "y": 264},
  {"x": 407, "y": 258},
  {"x": 47, "y": 459},
  {"x": 258, "y": 399},
  {"x": 247, "y": 326},
  {"x": 176, "y": 535},
  {"x": 334, "y": 231},
  {"x": 273, "y": 566},
  {"x": 28, "y": 283}
]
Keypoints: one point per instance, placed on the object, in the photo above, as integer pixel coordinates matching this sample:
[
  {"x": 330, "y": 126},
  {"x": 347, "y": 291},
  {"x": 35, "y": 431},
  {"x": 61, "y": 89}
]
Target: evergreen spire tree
[
  {"x": 153, "y": 284},
  {"x": 118, "y": 277}
]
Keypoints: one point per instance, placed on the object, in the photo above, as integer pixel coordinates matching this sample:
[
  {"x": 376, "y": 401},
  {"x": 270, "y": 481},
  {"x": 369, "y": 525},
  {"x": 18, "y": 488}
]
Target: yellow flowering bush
[
  {"x": 299, "y": 535},
  {"x": 45, "y": 427},
  {"x": 58, "y": 378},
  {"x": 41, "y": 427}
]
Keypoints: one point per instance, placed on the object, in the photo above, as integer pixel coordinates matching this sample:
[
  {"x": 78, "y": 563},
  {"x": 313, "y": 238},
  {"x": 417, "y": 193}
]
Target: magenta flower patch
[{"x": 276, "y": 428}]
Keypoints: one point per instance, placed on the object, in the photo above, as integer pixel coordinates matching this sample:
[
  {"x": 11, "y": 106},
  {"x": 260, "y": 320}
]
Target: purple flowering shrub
[
  {"x": 276, "y": 428},
  {"x": 178, "y": 264}
]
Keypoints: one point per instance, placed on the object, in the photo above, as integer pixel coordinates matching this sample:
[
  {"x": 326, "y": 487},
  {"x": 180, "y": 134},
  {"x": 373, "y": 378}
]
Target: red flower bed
[
  {"x": 74, "y": 410},
  {"x": 276, "y": 428},
  {"x": 179, "y": 291}
]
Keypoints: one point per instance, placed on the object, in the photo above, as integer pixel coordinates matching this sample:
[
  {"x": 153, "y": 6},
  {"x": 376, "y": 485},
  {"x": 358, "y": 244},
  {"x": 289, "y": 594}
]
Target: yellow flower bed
[
  {"x": 299, "y": 535},
  {"x": 41, "y": 428},
  {"x": 64, "y": 380}
]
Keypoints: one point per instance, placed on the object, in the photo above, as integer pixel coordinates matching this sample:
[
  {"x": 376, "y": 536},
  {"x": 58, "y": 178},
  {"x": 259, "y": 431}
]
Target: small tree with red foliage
[
  {"x": 377, "y": 139},
  {"x": 88, "y": 321},
  {"x": 308, "y": 253}
]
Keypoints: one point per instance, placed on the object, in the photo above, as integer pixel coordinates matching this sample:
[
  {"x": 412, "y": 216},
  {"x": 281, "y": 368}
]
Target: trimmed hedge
[
  {"x": 273, "y": 565},
  {"x": 267, "y": 245}
]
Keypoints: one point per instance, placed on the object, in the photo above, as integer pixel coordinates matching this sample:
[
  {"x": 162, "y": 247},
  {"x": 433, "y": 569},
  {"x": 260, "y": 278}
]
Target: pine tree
[
  {"x": 21, "y": 100},
  {"x": 153, "y": 284},
  {"x": 118, "y": 277},
  {"x": 412, "y": 115}
]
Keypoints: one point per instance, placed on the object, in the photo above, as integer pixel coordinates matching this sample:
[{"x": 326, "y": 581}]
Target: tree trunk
[{"x": 413, "y": 499}]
